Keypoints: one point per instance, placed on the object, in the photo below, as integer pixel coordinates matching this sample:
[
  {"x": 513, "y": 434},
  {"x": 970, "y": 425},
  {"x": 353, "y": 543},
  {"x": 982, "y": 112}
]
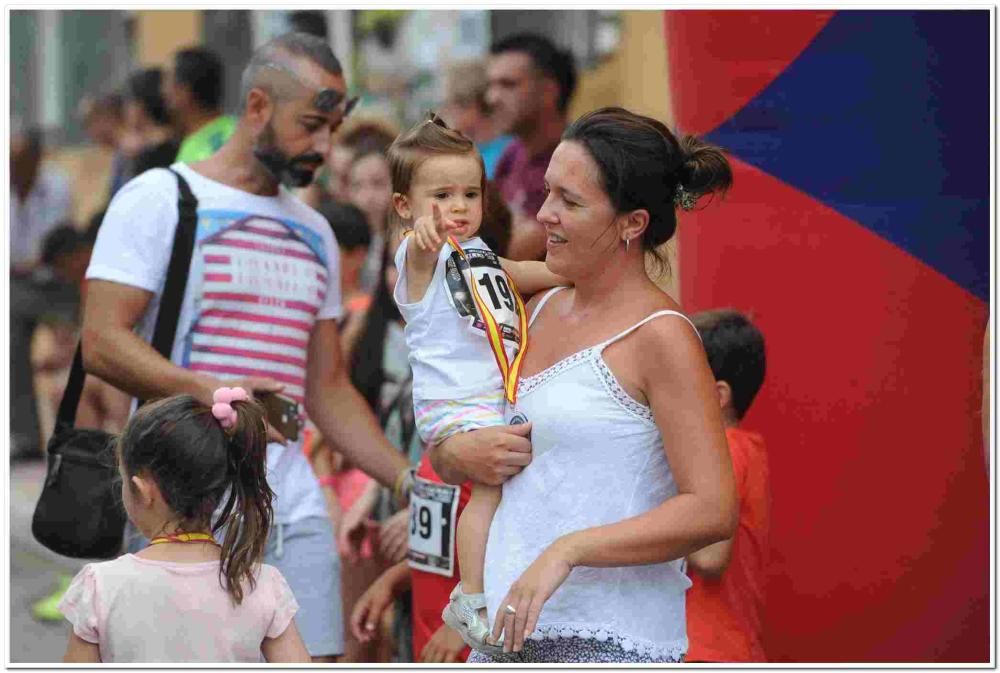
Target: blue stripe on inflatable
[{"x": 885, "y": 117}]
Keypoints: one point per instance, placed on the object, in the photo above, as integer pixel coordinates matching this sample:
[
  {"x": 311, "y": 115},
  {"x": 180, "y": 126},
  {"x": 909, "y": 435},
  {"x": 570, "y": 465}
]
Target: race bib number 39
[{"x": 433, "y": 510}]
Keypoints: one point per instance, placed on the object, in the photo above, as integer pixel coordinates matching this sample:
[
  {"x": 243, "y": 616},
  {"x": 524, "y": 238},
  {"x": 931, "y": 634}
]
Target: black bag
[{"x": 79, "y": 512}]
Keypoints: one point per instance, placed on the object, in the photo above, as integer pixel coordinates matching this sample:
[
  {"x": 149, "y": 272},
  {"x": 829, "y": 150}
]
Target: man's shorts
[{"x": 305, "y": 552}]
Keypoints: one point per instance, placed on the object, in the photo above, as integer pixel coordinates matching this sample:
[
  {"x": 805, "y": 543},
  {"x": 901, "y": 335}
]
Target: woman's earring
[{"x": 626, "y": 245}]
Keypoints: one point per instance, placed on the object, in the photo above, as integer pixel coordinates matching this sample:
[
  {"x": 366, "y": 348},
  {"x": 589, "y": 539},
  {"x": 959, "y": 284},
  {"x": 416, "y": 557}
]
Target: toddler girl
[
  {"x": 186, "y": 598},
  {"x": 466, "y": 329}
]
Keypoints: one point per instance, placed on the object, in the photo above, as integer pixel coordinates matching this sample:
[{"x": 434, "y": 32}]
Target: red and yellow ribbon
[{"x": 509, "y": 371}]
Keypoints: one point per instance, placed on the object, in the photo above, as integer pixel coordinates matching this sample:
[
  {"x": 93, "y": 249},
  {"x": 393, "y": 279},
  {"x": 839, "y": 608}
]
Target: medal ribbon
[
  {"x": 183, "y": 537},
  {"x": 509, "y": 371}
]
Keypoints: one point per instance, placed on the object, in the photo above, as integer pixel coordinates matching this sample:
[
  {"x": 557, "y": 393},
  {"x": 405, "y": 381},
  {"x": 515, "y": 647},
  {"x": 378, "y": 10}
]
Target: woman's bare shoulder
[{"x": 536, "y": 299}]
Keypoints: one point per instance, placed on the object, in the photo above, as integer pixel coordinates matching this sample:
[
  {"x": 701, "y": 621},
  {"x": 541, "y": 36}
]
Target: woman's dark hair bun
[
  {"x": 705, "y": 168},
  {"x": 644, "y": 165}
]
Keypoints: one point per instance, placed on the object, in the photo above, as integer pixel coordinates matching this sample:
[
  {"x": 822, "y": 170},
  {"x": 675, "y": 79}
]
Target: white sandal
[{"x": 462, "y": 614}]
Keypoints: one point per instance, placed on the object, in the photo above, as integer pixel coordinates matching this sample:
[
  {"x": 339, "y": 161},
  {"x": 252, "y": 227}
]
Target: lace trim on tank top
[
  {"x": 531, "y": 382},
  {"x": 618, "y": 394},
  {"x": 656, "y": 651}
]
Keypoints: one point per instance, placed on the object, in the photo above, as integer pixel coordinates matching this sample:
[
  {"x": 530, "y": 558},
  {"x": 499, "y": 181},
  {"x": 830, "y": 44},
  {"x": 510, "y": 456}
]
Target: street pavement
[{"x": 33, "y": 573}]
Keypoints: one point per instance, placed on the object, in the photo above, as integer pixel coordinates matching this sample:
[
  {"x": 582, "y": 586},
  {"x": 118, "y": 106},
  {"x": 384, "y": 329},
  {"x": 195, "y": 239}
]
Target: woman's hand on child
[
  {"x": 431, "y": 231},
  {"x": 489, "y": 455},
  {"x": 367, "y": 612},
  {"x": 528, "y": 594},
  {"x": 444, "y": 647},
  {"x": 394, "y": 540}
]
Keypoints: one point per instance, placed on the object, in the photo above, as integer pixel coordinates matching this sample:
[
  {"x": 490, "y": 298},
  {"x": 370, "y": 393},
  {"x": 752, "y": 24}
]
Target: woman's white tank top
[{"x": 598, "y": 458}]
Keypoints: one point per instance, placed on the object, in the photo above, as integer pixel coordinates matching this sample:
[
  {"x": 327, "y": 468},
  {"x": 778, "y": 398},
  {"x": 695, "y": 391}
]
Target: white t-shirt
[
  {"x": 449, "y": 350},
  {"x": 264, "y": 270}
]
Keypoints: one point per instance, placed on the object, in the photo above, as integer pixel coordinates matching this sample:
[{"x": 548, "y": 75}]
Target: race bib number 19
[
  {"x": 483, "y": 269},
  {"x": 433, "y": 509}
]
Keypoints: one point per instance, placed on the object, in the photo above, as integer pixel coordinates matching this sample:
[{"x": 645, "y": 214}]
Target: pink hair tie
[{"x": 222, "y": 408}]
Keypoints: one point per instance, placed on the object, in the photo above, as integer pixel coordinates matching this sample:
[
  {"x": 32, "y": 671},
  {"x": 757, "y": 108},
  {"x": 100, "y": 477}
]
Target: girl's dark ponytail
[{"x": 248, "y": 511}]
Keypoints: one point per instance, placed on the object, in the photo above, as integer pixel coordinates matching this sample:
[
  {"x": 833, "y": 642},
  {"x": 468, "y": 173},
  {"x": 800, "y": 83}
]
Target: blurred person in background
[
  {"x": 725, "y": 603},
  {"x": 497, "y": 221},
  {"x": 150, "y": 139},
  {"x": 333, "y": 182},
  {"x": 531, "y": 82},
  {"x": 66, "y": 255},
  {"x": 40, "y": 198},
  {"x": 293, "y": 96},
  {"x": 193, "y": 89},
  {"x": 40, "y": 201},
  {"x": 104, "y": 123},
  {"x": 370, "y": 189},
  {"x": 354, "y": 237},
  {"x": 338, "y": 167},
  {"x": 466, "y": 111}
]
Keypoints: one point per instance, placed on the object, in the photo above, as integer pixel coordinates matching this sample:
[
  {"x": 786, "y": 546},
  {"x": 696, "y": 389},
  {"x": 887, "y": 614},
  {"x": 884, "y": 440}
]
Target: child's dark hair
[
  {"x": 348, "y": 223},
  {"x": 429, "y": 138},
  {"x": 735, "y": 349},
  {"x": 180, "y": 445}
]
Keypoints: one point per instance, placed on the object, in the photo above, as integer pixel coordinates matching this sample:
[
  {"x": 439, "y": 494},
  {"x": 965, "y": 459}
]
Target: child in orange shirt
[{"x": 725, "y": 601}]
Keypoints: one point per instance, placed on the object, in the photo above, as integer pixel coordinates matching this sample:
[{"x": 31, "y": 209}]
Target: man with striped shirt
[{"x": 261, "y": 304}]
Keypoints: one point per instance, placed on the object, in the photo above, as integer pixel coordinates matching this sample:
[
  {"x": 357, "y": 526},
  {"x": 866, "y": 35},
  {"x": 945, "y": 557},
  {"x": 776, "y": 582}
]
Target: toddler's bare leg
[{"x": 473, "y": 531}]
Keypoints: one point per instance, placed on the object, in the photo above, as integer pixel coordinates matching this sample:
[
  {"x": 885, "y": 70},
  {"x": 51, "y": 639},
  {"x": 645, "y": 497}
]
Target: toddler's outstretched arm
[
  {"x": 532, "y": 277},
  {"x": 430, "y": 233}
]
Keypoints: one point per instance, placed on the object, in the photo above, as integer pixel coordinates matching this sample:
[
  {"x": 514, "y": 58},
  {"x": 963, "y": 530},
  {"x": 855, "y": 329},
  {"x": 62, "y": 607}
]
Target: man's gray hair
[{"x": 283, "y": 50}]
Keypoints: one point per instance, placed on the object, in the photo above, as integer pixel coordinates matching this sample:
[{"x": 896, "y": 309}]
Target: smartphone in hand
[{"x": 282, "y": 413}]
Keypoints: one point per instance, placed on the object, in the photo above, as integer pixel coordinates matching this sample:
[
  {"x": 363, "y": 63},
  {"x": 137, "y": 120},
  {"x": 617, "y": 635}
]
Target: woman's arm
[
  {"x": 79, "y": 651},
  {"x": 532, "y": 277},
  {"x": 681, "y": 392},
  {"x": 712, "y": 561},
  {"x": 682, "y": 395}
]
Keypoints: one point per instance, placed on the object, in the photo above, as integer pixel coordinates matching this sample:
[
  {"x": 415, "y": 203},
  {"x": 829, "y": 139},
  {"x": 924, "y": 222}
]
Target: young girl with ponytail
[{"x": 185, "y": 597}]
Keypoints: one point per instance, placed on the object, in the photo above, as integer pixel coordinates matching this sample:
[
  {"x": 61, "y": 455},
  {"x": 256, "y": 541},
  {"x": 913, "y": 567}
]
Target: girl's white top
[
  {"x": 598, "y": 459},
  {"x": 450, "y": 356}
]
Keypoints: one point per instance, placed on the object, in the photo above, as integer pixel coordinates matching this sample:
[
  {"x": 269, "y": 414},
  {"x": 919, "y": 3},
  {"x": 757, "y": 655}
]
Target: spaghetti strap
[
  {"x": 545, "y": 298},
  {"x": 652, "y": 316}
]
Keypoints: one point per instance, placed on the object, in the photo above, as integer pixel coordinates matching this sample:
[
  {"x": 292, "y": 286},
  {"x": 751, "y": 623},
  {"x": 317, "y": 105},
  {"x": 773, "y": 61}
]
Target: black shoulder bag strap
[{"x": 170, "y": 302}]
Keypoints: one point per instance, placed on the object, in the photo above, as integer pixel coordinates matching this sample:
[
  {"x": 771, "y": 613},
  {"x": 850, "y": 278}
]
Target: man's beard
[{"x": 295, "y": 172}]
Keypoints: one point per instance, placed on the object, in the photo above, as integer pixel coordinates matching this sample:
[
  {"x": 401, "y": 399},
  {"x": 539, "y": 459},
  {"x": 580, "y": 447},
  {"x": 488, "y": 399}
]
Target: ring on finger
[{"x": 510, "y": 610}]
